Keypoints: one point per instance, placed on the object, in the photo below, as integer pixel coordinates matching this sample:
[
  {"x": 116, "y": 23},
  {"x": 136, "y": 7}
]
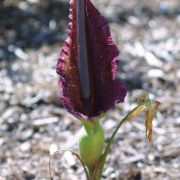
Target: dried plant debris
[{"x": 33, "y": 123}]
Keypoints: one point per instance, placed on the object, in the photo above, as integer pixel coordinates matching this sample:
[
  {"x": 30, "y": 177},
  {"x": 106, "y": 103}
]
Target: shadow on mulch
[{"x": 25, "y": 25}]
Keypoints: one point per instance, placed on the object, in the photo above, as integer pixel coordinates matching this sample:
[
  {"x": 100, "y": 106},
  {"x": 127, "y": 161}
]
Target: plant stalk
[{"x": 97, "y": 174}]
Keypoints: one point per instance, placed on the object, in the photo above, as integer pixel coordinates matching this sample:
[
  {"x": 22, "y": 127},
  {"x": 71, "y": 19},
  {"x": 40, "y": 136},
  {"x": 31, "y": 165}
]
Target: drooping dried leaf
[
  {"x": 139, "y": 109},
  {"x": 149, "y": 116}
]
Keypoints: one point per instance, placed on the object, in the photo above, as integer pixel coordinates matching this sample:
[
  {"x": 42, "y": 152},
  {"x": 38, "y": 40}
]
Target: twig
[{"x": 75, "y": 154}]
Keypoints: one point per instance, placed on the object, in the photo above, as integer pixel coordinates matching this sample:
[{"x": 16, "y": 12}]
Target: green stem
[
  {"x": 99, "y": 167},
  {"x": 91, "y": 141},
  {"x": 90, "y": 171},
  {"x": 89, "y": 126}
]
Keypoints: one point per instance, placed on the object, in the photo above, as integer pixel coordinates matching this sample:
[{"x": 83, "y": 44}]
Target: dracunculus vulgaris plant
[{"x": 87, "y": 68}]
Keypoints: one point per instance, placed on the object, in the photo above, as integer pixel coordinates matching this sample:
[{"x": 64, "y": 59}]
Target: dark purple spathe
[{"x": 102, "y": 55}]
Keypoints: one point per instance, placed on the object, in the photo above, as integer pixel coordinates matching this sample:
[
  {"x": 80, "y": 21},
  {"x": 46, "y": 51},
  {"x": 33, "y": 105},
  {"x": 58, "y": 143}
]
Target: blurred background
[{"x": 33, "y": 123}]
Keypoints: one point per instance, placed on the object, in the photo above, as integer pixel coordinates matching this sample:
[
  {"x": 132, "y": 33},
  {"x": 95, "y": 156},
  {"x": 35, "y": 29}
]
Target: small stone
[
  {"x": 21, "y": 54},
  {"x": 45, "y": 121},
  {"x": 109, "y": 124},
  {"x": 155, "y": 73},
  {"x": 53, "y": 148},
  {"x": 27, "y": 134},
  {"x": 152, "y": 60},
  {"x": 25, "y": 147},
  {"x": 69, "y": 158}
]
